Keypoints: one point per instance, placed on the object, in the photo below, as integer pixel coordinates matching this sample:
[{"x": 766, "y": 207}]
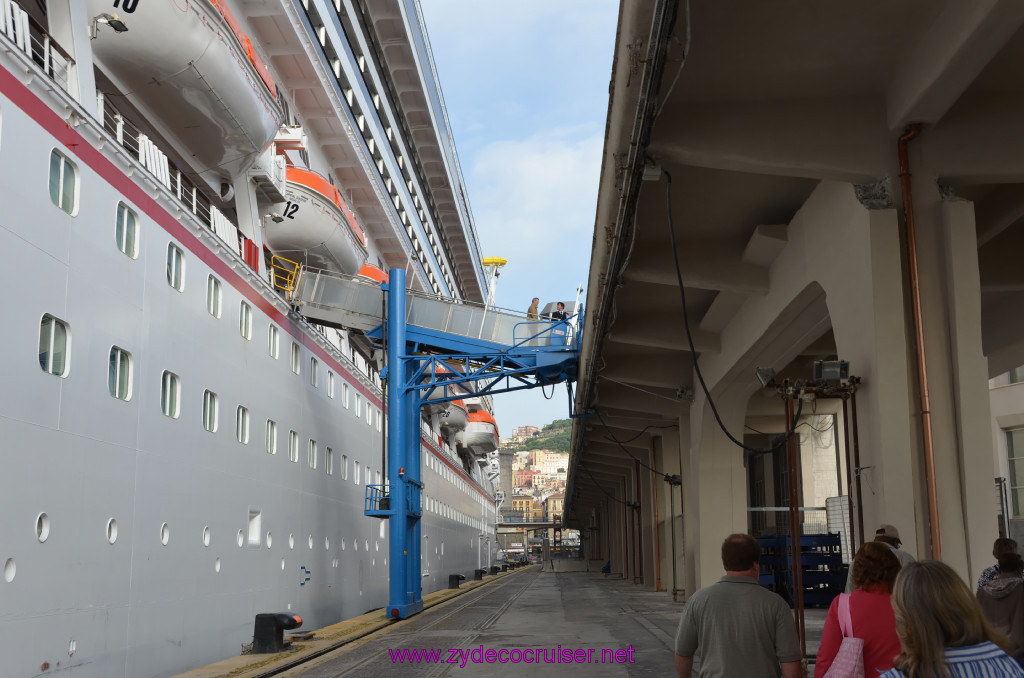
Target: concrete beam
[
  {"x": 796, "y": 138},
  {"x": 644, "y": 332},
  {"x": 948, "y": 57},
  {"x": 981, "y": 141},
  {"x": 704, "y": 265}
]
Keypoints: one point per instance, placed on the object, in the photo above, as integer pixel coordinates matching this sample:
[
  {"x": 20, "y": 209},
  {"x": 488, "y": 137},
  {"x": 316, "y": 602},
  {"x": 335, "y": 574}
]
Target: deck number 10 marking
[
  {"x": 290, "y": 209},
  {"x": 128, "y": 6}
]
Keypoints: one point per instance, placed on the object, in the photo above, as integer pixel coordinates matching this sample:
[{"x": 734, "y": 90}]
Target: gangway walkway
[{"x": 431, "y": 345}]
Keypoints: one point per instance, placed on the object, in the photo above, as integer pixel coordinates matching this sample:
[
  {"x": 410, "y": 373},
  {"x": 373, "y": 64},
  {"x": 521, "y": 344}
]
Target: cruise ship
[{"x": 182, "y": 449}]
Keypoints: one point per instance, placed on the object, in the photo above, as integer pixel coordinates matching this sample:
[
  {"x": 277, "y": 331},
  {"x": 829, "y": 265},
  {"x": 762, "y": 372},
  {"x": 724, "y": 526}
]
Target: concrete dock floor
[{"x": 614, "y": 627}]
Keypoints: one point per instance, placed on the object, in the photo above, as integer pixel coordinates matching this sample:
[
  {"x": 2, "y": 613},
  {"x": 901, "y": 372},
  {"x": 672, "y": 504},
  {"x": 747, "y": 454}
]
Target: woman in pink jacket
[{"x": 874, "y": 571}]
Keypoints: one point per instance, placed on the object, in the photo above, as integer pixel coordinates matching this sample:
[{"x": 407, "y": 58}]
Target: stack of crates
[{"x": 821, "y": 564}]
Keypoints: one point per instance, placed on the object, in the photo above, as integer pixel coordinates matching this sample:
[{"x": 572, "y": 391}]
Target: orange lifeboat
[
  {"x": 481, "y": 434},
  {"x": 192, "y": 73},
  {"x": 454, "y": 416},
  {"x": 373, "y": 273},
  {"x": 316, "y": 226}
]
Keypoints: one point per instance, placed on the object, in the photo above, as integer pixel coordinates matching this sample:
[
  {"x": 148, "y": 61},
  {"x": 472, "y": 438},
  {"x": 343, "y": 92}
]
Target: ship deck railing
[{"x": 27, "y": 36}]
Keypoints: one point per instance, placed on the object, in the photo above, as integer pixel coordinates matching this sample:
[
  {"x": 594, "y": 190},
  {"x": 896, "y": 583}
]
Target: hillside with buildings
[{"x": 533, "y": 463}]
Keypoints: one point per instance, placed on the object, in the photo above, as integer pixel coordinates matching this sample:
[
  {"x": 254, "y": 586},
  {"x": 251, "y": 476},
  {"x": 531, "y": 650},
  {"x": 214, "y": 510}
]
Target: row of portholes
[{"x": 43, "y": 533}]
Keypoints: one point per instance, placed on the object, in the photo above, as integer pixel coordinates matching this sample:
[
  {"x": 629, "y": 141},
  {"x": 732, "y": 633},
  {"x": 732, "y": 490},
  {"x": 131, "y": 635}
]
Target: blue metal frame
[{"x": 480, "y": 368}]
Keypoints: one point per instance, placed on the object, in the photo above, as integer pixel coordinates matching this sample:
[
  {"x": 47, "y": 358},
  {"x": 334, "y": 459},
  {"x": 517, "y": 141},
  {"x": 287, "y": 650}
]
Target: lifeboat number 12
[
  {"x": 290, "y": 209},
  {"x": 128, "y": 6}
]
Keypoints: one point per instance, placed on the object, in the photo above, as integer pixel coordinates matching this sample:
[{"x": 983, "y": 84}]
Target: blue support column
[{"x": 405, "y": 593}]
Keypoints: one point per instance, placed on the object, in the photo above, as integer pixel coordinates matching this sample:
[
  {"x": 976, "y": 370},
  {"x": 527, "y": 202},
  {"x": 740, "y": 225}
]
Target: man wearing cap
[{"x": 889, "y": 535}]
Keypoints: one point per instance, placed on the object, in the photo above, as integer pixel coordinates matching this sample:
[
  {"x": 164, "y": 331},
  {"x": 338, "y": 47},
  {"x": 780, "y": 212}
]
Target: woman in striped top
[{"x": 942, "y": 629}]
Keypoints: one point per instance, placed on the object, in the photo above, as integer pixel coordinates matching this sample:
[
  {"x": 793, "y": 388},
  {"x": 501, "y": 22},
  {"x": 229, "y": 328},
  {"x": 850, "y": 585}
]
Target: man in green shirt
[{"x": 736, "y": 627}]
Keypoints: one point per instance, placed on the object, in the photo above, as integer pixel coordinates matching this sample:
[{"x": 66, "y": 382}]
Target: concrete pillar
[
  {"x": 666, "y": 458},
  {"x": 649, "y": 549},
  {"x": 714, "y": 488}
]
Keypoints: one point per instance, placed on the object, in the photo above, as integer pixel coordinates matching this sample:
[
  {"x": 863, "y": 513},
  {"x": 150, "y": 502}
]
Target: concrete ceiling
[{"x": 771, "y": 99}]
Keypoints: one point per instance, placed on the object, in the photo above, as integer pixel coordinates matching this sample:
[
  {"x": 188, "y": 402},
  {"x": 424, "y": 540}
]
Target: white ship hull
[{"x": 138, "y": 544}]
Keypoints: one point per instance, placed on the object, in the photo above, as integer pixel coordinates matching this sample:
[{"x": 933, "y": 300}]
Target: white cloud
[{"x": 533, "y": 203}]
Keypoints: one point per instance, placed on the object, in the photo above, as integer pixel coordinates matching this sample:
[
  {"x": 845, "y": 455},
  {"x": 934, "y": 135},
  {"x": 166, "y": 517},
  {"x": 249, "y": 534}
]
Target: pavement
[{"x": 585, "y": 623}]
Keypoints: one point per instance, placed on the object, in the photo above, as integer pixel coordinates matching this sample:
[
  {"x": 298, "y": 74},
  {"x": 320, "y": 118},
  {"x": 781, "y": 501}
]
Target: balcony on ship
[{"x": 23, "y": 25}]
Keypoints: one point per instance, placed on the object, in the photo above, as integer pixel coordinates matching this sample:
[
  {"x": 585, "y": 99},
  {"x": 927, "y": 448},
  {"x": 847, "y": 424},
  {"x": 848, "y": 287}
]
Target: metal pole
[
  {"x": 922, "y": 363},
  {"x": 794, "y": 528},
  {"x": 852, "y": 541},
  {"x": 638, "y": 531},
  {"x": 856, "y": 464},
  {"x": 657, "y": 535},
  {"x": 404, "y": 583}
]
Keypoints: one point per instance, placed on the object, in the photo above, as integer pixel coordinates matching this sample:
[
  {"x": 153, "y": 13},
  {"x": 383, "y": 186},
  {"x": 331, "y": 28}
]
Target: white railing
[
  {"x": 27, "y": 36},
  {"x": 156, "y": 162}
]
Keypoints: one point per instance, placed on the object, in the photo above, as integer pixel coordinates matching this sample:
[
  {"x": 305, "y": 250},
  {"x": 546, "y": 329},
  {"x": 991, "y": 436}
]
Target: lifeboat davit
[
  {"x": 316, "y": 226},
  {"x": 454, "y": 416},
  {"x": 481, "y": 434},
  {"x": 192, "y": 73}
]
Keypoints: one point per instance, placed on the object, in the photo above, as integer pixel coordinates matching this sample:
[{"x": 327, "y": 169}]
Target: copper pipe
[
  {"x": 625, "y": 534},
  {"x": 922, "y": 368},
  {"x": 796, "y": 561},
  {"x": 856, "y": 462},
  {"x": 657, "y": 535},
  {"x": 637, "y": 523}
]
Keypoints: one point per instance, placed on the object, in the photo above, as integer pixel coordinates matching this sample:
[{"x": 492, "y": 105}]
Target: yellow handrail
[{"x": 285, "y": 272}]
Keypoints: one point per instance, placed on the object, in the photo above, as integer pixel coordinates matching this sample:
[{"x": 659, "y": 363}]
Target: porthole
[
  {"x": 42, "y": 527},
  {"x": 311, "y": 541},
  {"x": 216, "y": 565},
  {"x": 291, "y": 541},
  {"x": 240, "y": 539},
  {"x": 165, "y": 534},
  {"x": 111, "y": 531},
  {"x": 270, "y": 540},
  {"x": 10, "y": 569},
  {"x": 206, "y": 536},
  {"x": 282, "y": 564},
  {"x": 342, "y": 544},
  {"x": 327, "y": 544},
  {"x": 366, "y": 545}
]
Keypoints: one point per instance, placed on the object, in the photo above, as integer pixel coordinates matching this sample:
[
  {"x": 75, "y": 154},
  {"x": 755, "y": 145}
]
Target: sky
[{"x": 525, "y": 85}]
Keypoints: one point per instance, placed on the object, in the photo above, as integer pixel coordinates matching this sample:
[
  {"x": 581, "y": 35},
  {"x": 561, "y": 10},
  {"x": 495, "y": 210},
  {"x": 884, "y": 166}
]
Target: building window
[
  {"x": 127, "y": 230},
  {"x": 379, "y": 423},
  {"x": 296, "y": 357},
  {"x": 245, "y": 320},
  {"x": 313, "y": 372},
  {"x": 63, "y": 183},
  {"x": 271, "y": 436},
  {"x": 170, "y": 394},
  {"x": 54, "y": 343},
  {"x": 344, "y": 395},
  {"x": 1017, "y": 375},
  {"x": 344, "y": 467},
  {"x": 242, "y": 424},
  {"x": 359, "y": 406},
  {"x": 213, "y": 296},
  {"x": 210, "y": 410},
  {"x": 330, "y": 384},
  {"x": 119, "y": 373},
  {"x": 273, "y": 341},
  {"x": 369, "y": 415},
  {"x": 329, "y": 462},
  {"x": 311, "y": 456},
  {"x": 175, "y": 267},
  {"x": 293, "y": 446},
  {"x": 355, "y": 479}
]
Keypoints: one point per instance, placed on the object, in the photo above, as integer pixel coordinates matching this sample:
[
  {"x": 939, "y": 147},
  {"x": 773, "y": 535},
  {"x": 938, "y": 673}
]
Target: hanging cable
[
  {"x": 613, "y": 439},
  {"x": 693, "y": 350},
  {"x": 625, "y": 503}
]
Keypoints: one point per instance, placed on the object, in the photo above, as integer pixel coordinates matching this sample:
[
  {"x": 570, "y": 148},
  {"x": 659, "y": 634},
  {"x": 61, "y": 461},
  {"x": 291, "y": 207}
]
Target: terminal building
[{"x": 782, "y": 187}]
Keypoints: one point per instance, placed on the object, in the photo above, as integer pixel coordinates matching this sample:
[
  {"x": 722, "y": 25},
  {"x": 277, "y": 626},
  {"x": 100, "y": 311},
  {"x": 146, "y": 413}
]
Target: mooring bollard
[
  {"x": 494, "y": 570},
  {"x": 268, "y": 634},
  {"x": 478, "y": 575},
  {"x": 454, "y": 579}
]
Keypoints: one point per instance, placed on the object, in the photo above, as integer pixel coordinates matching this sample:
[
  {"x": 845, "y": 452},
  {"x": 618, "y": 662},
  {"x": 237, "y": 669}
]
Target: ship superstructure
[{"x": 181, "y": 449}]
